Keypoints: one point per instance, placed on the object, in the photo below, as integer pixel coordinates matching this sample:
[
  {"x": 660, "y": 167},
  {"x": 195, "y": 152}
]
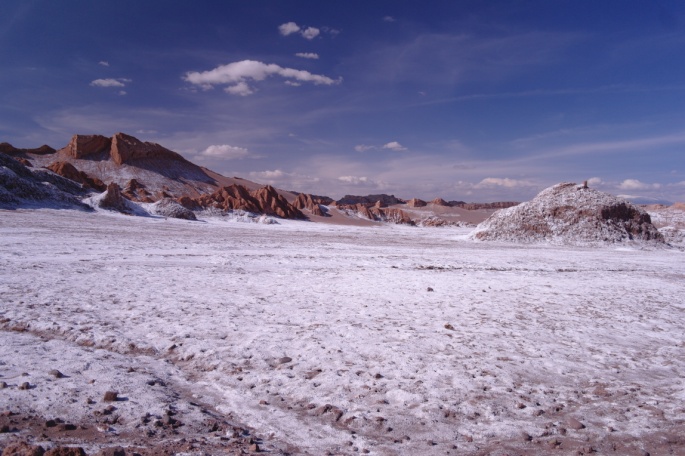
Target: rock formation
[
  {"x": 311, "y": 203},
  {"x": 112, "y": 199},
  {"x": 83, "y": 146},
  {"x": 415, "y": 202},
  {"x": 126, "y": 148},
  {"x": 9, "y": 149},
  {"x": 375, "y": 213},
  {"x": 265, "y": 200},
  {"x": 135, "y": 191},
  {"x": 570, "y": 214},
  {"x": 22, "y": 186},
  {"x": 66, "y": 169},
  {"x": 386, "y": 200},
  {"x": 439, "y": 202}
]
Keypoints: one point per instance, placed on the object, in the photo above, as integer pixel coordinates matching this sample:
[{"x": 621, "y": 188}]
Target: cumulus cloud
[
  {"x": 240, "y": 88},
  {"x": 120, "y": 82},
  {"x": 308, "y": 55},
  {"x": 310, "y": 33},
  {"x": 103, "y": 63},
  {"x": 394, "y": 145},
  {"x": 502, "y": 182},
  {"x": 634, "y": 184},
  {"x": 236, "y": 75},
  {"x": 354, "y": 179},
  {"x": 288, "y": 28},
  {"x": 225, "y": 152},
  {"x": 595, "y": 181}
]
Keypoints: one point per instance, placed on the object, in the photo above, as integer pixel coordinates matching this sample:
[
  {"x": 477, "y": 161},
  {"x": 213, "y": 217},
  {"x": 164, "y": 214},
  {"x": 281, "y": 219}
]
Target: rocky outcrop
[
  {"x": 21, "y": 186},
  {"x": 135, "y": 191},
  {"x": 570, "y": 214},
  {"x": 84, "y": 146},
  {"x": 439, "y": 202},
  {"x": 9, "y": 149},
  {"x": 167, "y": 207},
  {"x": 415, "y": 202},
  {"x": 265, "y": 200},
  {"x": 378, "y": 214},
  {"x": 66, "y": 169},
  {"x": 125, "y": 149},
  {"x": 113, "y": 200},
  {"x": 310, "y": 203},
  {"x": 385, "y": 200}
]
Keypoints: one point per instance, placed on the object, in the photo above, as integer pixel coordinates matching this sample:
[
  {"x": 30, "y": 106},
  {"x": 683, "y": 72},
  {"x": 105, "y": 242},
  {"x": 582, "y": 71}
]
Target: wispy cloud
[
  {"x": 235, "y": 75},
  {"x": 120, "y": 82},
  {"x": 388, "y": 19},
  {"x": 504, "y": 182},
  {"x": 103, "y": 63},
  {"x": 308, "y": 55},
  {"x": 395, "y": 146},
  {"x": 225, "y": 152},
  {"x": 392, "y": 145}
]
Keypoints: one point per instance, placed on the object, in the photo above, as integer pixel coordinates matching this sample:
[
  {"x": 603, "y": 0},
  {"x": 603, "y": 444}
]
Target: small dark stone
[
  {"x": 3, "y": 385},
  {"x": 111, "y": 396},
  {"x": 67, "y": 427},
  {"x": 65, "y": 451},
  {"x": 25, "y": 386},
  {"x": 377, "y": 376},
  {"x": 55, "y": 373},
  {"x": 4, "y": 429},
  {"x": 449, "y": 326},
  {"x": 50, "y": 423},
  {"x": 284, "y": 360},
  {"x": 429, "y": 289},
  {"x": 575, "y": 424}
]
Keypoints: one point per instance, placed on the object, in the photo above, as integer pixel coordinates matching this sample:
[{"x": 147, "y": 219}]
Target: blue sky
[{"x": 466, "y": 100}]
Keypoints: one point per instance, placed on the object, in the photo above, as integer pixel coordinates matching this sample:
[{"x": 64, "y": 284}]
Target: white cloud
[
  {"x": 634, "y": 184},
  {"x": 122, "y": 92},
  {"x": 240, "y": 88},
  {"x": 595, "y": 181},
  {"x": 103, "y": 63},
  {"x": 292, "y": 83},
  {"x": 502, "y": 182},
  {"x": 235, "y": 75},
  {"x": 308, "y": 55},
  {"x": 225, "y": 151},
  {"x": 288, "y": 28},
  {"x": 275, "y": 174},
  {"x": 310, "y": 33},
  {"x": 120, "y": 82},
  {"x": 394, "y": 145},
  {"x": 679, "y": 184},
  {"x": 388, "y": 19},
  {"x": 353, "y": 179},
  {"x": 363, "y": 148}
]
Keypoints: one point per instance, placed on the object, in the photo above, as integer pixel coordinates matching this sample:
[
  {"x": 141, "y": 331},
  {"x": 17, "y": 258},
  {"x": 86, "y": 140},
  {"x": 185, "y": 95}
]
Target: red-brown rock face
[
  {"x": 82, "y": 146},
  {"x": 439, "y": 202},
  {"x": 68, "y": 170},
  {"x": 265, "y": 200},
  {"x": 125, "y": 148},
  {"x": 415, "y": 202},
  {"x": 305, "y": 201},
  {"x": 135, "y": 191}
]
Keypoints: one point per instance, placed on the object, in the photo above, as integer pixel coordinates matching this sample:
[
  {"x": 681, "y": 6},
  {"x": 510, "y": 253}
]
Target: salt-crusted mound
[
  {"x": 167, "y": 207},
  {"x": 570, "y": 214}
]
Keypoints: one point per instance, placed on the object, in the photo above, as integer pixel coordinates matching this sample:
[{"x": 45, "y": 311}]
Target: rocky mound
[
  {"x": 167, "y": 207},
  {"x": 23, "y": 186},
  {"x": 113, "y": 200},
  {"x": 377, "y": 214},
  {"x": 265, "y": 200},
  {"x": 570, "y": 214},
  {"x": 385, "y": 200},
  {"x": 68, "y": 170},
  {"x": 415, "y": 202}
]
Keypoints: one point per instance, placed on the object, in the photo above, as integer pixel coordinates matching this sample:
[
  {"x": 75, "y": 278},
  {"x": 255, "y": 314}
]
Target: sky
[{"x": 464, "y": 100}]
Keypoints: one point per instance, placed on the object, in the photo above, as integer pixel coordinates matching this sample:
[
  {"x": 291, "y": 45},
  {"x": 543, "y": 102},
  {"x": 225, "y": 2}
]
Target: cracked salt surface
[{"x": 512, "y": 339}]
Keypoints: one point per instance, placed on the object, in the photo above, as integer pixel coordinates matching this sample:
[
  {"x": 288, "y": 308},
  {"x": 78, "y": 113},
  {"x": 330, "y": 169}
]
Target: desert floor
[{"x": 309, "y": 338}]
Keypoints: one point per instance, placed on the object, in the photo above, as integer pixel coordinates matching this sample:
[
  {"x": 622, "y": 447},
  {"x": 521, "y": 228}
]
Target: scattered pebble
[
  {"x": 25, "y": 386},
  {"x": 429, "y": 289},
  {"x": 449, "y": 326},
  {"x": 55, "y": 373},
  {"x": 111, "y": 396}
]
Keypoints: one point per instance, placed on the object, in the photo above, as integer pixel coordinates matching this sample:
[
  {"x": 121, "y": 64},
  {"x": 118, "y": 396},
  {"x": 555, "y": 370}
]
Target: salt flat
[{"x": 328, "y": 338}]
